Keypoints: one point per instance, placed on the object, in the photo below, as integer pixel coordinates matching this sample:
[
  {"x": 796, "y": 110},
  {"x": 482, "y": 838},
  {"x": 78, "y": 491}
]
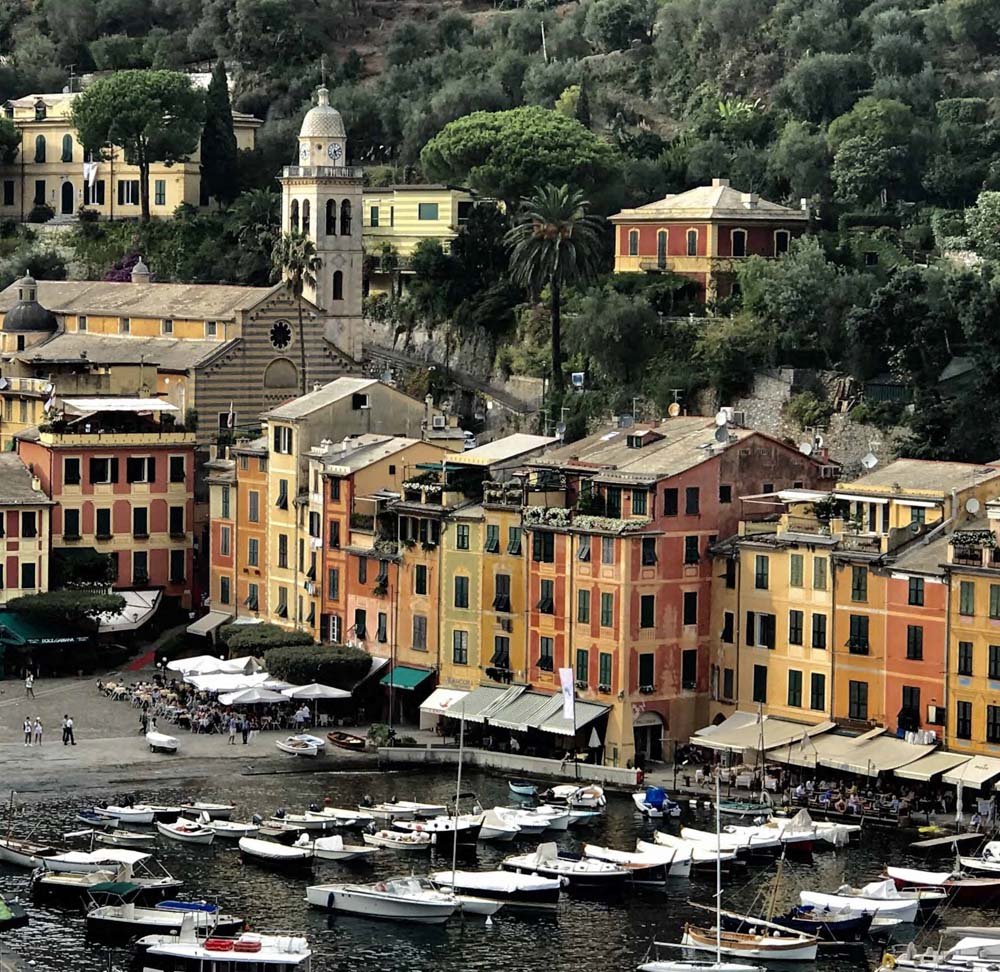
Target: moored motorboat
[
  {"x": 134, "y": 815},
  {"x": 85, "y": 862},
  {"x": 977, "y": 952},
  {"x": 527, "y": 823},
  {"x": 304, "y": 821},
  {"x": 280, "y": 831},
  {"x": 399, "y": 840},
  {"x": 590, "y": 796},
  {"x": 250, "y": 952},
  {"x": 794, "y": 841},
  {"x": 400, "y": 899},
  {"x": 24, "y": 853},
  {"x": 65, "y": 887},
  {"x": 745, "y": 808},
  {"x": 829, "y": 926},
  {"x": 653, "y": 866},
  {"x": 496, "y": 830},
  {"x": 302, "y": 745},
  {"x": 186, "y": 831},
  {"x": 703, "y": 855},
  {"x": 527, "y": 892},
  {"x": 125, "y": 919},
  {"x": 769, "y": 947},
  {"x": 961, "y": 888},
  {"x": 230, "y": 829},
  {"x": 345, "y": 740},
  {"x": 654, "y": 803},
  {"x": 580, "y": 873},
  {"x": 522, "y": 788},
  {"x": 339, "y": 818},
  {"x": 391, "y": 810},
  {"x": 658, "y": 964},
  {"x": 124, "y": 838},
  {"x": 556, "y": 818},
  {"x": 215, "y": 811},
  {"x": 462, "y": 831},
  {"x": 987, "y": 861},
  {"x": 334, "y": 849},
  {"x": 876, "y": 897},
  {"x": 742, "y": 842},
  {"x": 281, "y": 857}
]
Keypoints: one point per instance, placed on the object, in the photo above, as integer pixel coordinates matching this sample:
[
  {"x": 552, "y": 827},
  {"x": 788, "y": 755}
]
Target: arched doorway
[
  {"x": 68, "y": 200},
  {"x": 647, "y": 730}
]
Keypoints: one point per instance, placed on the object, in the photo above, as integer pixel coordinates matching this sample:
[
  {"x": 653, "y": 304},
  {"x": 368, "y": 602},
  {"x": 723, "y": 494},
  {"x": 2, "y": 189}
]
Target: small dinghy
[
  {"x": 12, "y": 913},
  {"x": 304, "y": 821},
  {"x": 580, "y": 873},
  {"x": 302, "y": 745},
  {"x": 462, "y": 831},
  {"x": 518, "y": 892},
  {"x": 334, "y": 849},
  {"x": 138, "y": 814},
  {"x": 344, "y": 740},
  {"x": 24, "y": 853},
  {"x": 280, "y": 831},
  {"x": 654, "y": 866},
  {"x": 160, "y": 742},
  {"x": 186, "y": 831},
  {"x": 587, "y": 797},
  {"x": 281, "y": 857},
  {"x": 399, "y": 840},
  {"x": 215, "y": 811},
  {"x": 654, "y": 803},
  {"x": 123, "y": 838},
  {"x": 228, "y": 829},
  {"x": 522, "y": 788},
  {"x": 401, "y": 899},
  {"x": 770, "y": 947}
]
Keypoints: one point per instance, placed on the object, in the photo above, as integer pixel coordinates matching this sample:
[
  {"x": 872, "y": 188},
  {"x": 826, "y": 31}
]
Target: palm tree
[
  {"x": 294, "y": 257},
  {"x": 554, "y": 242}
]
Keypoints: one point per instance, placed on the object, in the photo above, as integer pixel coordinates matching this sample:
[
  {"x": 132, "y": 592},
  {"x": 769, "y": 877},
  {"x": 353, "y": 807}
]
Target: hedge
[
  {"x": 341, "y": 666},
  {"x": 255, "y": 638}
]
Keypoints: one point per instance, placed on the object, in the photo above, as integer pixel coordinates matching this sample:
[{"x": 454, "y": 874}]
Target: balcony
[
  {"x": 859, "y": 646},
  {"x": 38, "y": 387},
  {"x": 861, "y": 542},
  {"x": 322, "y": 172}
]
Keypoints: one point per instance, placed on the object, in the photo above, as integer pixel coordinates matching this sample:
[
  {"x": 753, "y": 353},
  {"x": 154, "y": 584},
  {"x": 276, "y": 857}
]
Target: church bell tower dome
[{"x": 322, "y": 138}]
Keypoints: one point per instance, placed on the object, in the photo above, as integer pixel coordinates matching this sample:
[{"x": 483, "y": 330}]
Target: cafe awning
[
  {"x": 140, "y": 606},
  {"x": 479, "y": 701},
  {"x": 443, "y": 701},
  {"x": 974, "y": 773},
  {"x": 404, "y": 677},
  {"x": 584, "y": 714},
  {"x": 868, "y": 755},
  {"x": 744, "y": 730},
  {"x": 529, "y": 710},
  {"x": 18, "y": 629},
  {"x": 927, "y": 767},
  {"x": 209, "y": 623}
]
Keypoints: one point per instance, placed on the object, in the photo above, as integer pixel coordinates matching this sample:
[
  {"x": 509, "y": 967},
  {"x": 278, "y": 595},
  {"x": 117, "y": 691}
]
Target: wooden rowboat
[
  {"x": 346, "y": 741},
  {"x": 786, "y": 948}
]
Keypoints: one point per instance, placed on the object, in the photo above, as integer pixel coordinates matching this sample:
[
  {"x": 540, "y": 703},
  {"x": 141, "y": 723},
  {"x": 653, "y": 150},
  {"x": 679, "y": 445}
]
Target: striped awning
[
  {"x": 524, "y": 712},
  {"x": 927, "y": 767},
  {"x": 585, "y": 714}
]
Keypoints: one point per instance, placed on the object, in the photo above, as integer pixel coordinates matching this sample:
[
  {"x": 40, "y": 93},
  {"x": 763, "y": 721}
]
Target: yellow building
[
  {"x": 397, "y": 218},
  {"x": 464, "y": 653},
  {"x": 25, "y": 536},
  {"x": 49, "y": 168}
]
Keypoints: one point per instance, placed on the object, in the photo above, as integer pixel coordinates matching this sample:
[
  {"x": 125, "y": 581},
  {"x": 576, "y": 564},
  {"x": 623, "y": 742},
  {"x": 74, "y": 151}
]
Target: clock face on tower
[
  {"x": 304, "y": 153},
  {"x": 281, "y": 335},
  {"x": 335, "y": 151}
]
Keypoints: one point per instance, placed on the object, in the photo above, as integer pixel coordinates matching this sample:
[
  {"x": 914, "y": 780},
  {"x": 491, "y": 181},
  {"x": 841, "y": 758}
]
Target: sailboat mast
[
  {"x": 718, "y": 869},
  {"x": 458, "y": 794}
]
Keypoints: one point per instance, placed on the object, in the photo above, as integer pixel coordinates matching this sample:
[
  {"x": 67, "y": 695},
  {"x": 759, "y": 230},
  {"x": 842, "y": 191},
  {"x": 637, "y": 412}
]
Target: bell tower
[{"x": 321, "y": 198}]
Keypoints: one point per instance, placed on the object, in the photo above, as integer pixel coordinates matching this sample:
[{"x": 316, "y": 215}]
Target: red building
[
  {"x": 120, "y": 472},
  {"x": 618, "y": 529},
  {"x": 701, "y": 233}
]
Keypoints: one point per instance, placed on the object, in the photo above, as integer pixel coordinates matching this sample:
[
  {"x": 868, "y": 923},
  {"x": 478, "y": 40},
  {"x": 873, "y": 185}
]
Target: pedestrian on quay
[
  {"x": 37, "y": 729},
  {"x": 27, "y": 731},
  {"x": 245, "y": 729},
  {"x": 232, "y": 730},
  {"x": 67, "y": 728},
  {"x": 29, "y": 686}
]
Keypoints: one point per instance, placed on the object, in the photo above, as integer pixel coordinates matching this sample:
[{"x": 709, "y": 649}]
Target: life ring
[
  {"x": 888, "y": 961},
  {"x": 840, "y": 806}
]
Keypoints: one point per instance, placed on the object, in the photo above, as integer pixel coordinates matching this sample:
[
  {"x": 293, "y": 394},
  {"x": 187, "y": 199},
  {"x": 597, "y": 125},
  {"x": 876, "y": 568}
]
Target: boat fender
[
  {"x": 314, "y": 808},
  {"x": 381, "y": 886},
  {"x": 367, "y": 800},
  {"x": 888, "y": 961},
  {"x": 419, "y": 828}
]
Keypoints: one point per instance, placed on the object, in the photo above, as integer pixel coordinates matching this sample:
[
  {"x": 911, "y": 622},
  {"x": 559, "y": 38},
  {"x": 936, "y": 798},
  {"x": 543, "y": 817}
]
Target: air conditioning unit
[
  {"x": 438, "y": 421},
  {"x": 739, "y": 418}
]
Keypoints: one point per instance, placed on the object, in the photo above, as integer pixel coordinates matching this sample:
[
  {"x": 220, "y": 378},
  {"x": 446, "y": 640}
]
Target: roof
[
  {"x": 715, "y": 202},
  {"x": 83, "y": 406},
  {"x": 217, "y": 302},
  {"x": 502, "y": 450},
  {"x": 15, "y": 483},
  {"x": 924, "y": 475},
  {"x": 679, "y": 445},
  {"x": 334, "y": 391},
  {"x": 322, "y": 121},
  {"x": 167, "y": 354},
  {"x": 256, "y": 446},
  {"x": 924, "y": 558},
  {"x": 361, "y": 452},
  {"x": 418, "y": 187}
]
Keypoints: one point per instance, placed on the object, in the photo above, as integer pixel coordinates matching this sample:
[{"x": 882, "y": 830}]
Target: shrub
[
  {"x": 341, "y": 666},
  {"x": 41, "y": 213},
  {"x": 807, "y": 411},
  {"x": 378, "y": 734},
  {"x": 79, "y": 608},
  {"x": 256, "y": 638}
]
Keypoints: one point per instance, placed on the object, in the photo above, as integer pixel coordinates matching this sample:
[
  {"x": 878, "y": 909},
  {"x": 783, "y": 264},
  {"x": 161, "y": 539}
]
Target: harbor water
[{"x": 587, "y": 933}]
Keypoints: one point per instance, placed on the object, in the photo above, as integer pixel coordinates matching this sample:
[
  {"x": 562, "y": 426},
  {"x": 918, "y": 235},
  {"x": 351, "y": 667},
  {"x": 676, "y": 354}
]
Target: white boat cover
[
  {"x": 334, "y": 843},
  {"x": 913, "y": 876},
  {"x": 110, "y": 856},
  {"x": 879, "y": 890},
  {"x": 742, "y": 731},
  {"x": 500, "y": 881}
]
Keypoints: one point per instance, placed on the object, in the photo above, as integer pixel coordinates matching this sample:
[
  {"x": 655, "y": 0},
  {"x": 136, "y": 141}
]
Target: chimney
[
  {"x": 720, "y": 183},
  {"x": 750, "y": 200},
  {"x": 36, "y": 484},
  {"x": 804, "y": 205},
  {"x": 140, "y": 273}
]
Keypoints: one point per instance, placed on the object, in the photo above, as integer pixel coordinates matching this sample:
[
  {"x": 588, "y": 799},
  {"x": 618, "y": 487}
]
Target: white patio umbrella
[
  {"x": 315, "y": 691},
  {"x": 199, "y": 665},
  {"x": 250, "y": 696}
]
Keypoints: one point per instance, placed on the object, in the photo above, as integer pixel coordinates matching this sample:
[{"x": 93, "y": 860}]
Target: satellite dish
[
  {"x": 48, "y": 388},
  {"x": 870, "y": 461},
  {"x": 722, "y": 434},
  {"x": 721, "y": 418},
  {"x": 972, "y": 505},
  {"x": 674, "y": 409},
  {"x": 806, "y": 448},
  {"x": 561, "y": 429}
]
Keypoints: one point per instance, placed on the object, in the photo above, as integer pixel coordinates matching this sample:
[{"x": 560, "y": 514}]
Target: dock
[
  {"x": 11, "y": 961},
  {"x": 946, "y": 841}
]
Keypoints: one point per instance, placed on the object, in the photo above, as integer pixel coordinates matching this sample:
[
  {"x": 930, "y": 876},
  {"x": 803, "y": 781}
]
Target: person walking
[
  {"x": 232, "y": 730},
  {"x": 37, "y": 728},
  {"x": 27, "y": 732},
  {"x": 67, "y": 726},
  {"x": 245, "y": 729},
  {"x": 29, "y": 686}
]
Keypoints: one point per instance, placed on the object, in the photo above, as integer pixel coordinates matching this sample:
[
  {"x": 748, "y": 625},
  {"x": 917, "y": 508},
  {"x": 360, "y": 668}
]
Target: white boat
[
  {"x": 579, "y": 872},
  {"x": 497, "y": 830},
  {"x": 589, "y": 796},
  {"x": 86, "y": 862},
  {"x": 973, "y": 952},
  {"x": 988, "y": 861},
  {"x": 522, "y": 788},
  {"x": 279, "y": 856},
  {"x": 580, "y": 815},
  {"x": 403, "y": 810},
  {"x": 24, "y": 853},
  {"x": 653, "y": 866},
  {"x": 302, "y": 745},
  {"x": 693, "y": 965},
  {"x": 138, "y": 814},
  {"x": 527, "y": 823},
  {"x": 124, "y": 838},
  {"x": 334, "y": 849},
  {"x": 215, "y": 811},
  {"x": 528, "y": 892},
  {"x": 399, "y": 840},
  {"x": 186, "y": 831},
  {"x": 250, "y": 952},
  {"x": 462, "y": 830},
  {"x": 401, "y": 899},
  {"x": 229, "y": 829},
  {"x": 702, "y": 854},
  {"x": 556, "y": 818},
  {"x": 787, "y": 836},
  {"x": 339, "y": 818},
  {"x": 739, "y": 840},
  {"x": 880, "y": 897},
  {"x": 790, "y": 947},
  {"x": 654, "y": 803},
  {"x": 304, "y": 821},
  {"x": 73, "y": 887},
  {"x": 160, "y": 742},
  {"x": 126, "y": 919}
]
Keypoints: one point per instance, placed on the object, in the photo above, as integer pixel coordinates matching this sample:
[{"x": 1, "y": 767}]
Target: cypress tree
[
  {"x": 583, "y": 105},
  {"x": 218, "y": 141}
]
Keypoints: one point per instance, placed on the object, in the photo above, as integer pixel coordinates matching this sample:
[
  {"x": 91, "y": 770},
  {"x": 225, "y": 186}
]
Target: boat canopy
[
  {"x": 121, "y": 888},
  {"x": 742, "y": 731}
]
